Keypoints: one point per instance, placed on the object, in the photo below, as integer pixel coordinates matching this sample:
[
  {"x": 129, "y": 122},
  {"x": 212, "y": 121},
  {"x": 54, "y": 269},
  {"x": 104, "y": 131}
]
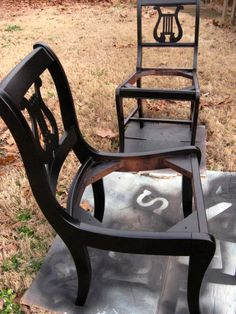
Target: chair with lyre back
[{"x": 168, "y": 36}]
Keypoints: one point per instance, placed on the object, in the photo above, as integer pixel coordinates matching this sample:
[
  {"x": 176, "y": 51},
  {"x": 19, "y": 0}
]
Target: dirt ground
[{"x": 97, "y": 47}]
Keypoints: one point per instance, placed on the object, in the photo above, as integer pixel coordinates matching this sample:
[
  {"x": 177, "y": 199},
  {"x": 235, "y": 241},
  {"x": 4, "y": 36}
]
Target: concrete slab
[{"x": 135, "y": 284}]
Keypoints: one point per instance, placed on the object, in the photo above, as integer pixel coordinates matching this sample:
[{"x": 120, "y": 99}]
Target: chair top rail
[
  {"x": 25, "y": 73},
  {"x": 167, "y": 3},
  {"x": 176, "y": 45}
]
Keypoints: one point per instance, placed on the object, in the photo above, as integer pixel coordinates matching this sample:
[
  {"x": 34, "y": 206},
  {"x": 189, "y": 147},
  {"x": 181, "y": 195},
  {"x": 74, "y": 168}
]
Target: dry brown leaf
[
  {"x": 129, "y": 45},
  {"x": 217, "y": 23},
  {"x": 106, "y": 133},
  {"x": 86, "y": 206},
  {"x": 10, "y": 248},
  {"x": 26, "y": 191},
  {"x": 7, "y": 160},
  {"x": 228, "y": 100},
  {"x": 16, "y": 225},
  {"x": 123, "y": 15},
  {"x": 4, "y": 218},
  {"x": 11, "y": 149},
  {"x": 10, "y": 141},
  {"x": 156, "y": 106}
]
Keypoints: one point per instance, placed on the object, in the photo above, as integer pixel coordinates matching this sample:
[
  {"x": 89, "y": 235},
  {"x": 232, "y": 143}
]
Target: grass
[
  {"x": 13, "y": 28},
  {"x": 10, "y": 306},
  {"x": 12, "y": 263},
  {"x": 96, "y": 60},
  {"x": 25, "y": 215}
]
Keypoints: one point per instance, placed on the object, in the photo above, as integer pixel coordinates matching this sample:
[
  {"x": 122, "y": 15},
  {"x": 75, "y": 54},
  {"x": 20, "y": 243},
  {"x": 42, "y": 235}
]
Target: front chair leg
[
  {"x": 99, "y": 199},
  {"x": 83, "y": 268},
  {"x": 198, "y": 264}
]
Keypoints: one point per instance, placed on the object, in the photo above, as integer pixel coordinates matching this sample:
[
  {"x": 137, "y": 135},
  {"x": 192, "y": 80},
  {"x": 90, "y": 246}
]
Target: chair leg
[
  {"x": 140, "y": 111},
  {"x": 194, "y": 121},
  {"x": 83, "y": 267},
  {"x": 139, "y": 103},
  {"x": 120, "y": 116},
  {"x": 187, "y": 196},
  {"x": 191, "y": 111},
  {"x": 99, "y": 199},
  {"x": 198, "y": 265}
]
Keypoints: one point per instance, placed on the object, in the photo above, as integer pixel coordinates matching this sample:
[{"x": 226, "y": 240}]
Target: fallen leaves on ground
[
  {"x": 156, "y": 106},
  {"x": 128, "y": 45},
  {"x": 6, "y": 160},
  {"x": 86, "y": 206},
  {"x": 226, "y": 101},
  {"x": 106, "y": 133}
]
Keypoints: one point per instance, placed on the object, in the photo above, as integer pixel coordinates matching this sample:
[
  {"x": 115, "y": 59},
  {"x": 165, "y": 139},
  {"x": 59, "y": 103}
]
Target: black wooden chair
[
  {"x": 44, "y": 153},
  {"x": 167, "y": 33}
]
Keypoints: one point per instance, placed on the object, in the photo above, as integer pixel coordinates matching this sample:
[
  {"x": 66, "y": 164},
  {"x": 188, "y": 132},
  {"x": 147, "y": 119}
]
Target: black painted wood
[
  {"x": 168, "y": 32},
  {"x": 44, "y": 153}
]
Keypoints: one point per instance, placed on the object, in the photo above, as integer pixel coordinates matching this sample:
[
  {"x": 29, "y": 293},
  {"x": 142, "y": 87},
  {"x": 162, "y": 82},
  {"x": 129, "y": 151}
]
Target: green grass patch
[
  {"x": 39, "y": 244},
  {"x": 50, "y": 94},
  {"x": 13, "y": 28},
  {"x": 26, "y": 231},
  {"x": 6, "y": 42},
  {"x": 12, "y": 263},
  {"x": 34, "y": 265},
  {"x": 9, "y": 306},
  {"x": 24, "y": 215}
]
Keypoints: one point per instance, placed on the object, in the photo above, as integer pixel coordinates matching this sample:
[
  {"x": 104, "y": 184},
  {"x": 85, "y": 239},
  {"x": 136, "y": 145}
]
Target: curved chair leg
[
  {"x": 187, "y": 196},
  {"x": 99, "y": 199},
  {"x": 83, "y": 267},
  {"x": 198, "y": 264}
]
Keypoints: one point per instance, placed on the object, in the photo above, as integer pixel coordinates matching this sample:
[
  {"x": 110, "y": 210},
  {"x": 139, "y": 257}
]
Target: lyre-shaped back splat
[
  {"x": 167, "y": 22},
  {"x": 42, "y": 129}
]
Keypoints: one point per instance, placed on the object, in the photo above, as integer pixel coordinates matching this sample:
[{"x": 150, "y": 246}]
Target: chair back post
[
  {"x": 139, "y": 36},
  {"x": 196, "y": 35}
]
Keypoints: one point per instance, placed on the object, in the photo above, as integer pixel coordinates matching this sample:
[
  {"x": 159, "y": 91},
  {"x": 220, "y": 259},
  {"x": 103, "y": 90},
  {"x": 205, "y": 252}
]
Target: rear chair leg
[
  {"x": 120, "y": 116},
  {"x": 99, "y": 199},
  {"x": 187, "y": 196},
  {"x": 139, "y": 103},
  {"x": 194, "y": 121}
]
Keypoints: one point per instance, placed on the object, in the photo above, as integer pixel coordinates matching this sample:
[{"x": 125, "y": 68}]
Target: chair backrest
[
  {"x": 168, "y": 31},
  {"x": 33, "y": 125}
]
